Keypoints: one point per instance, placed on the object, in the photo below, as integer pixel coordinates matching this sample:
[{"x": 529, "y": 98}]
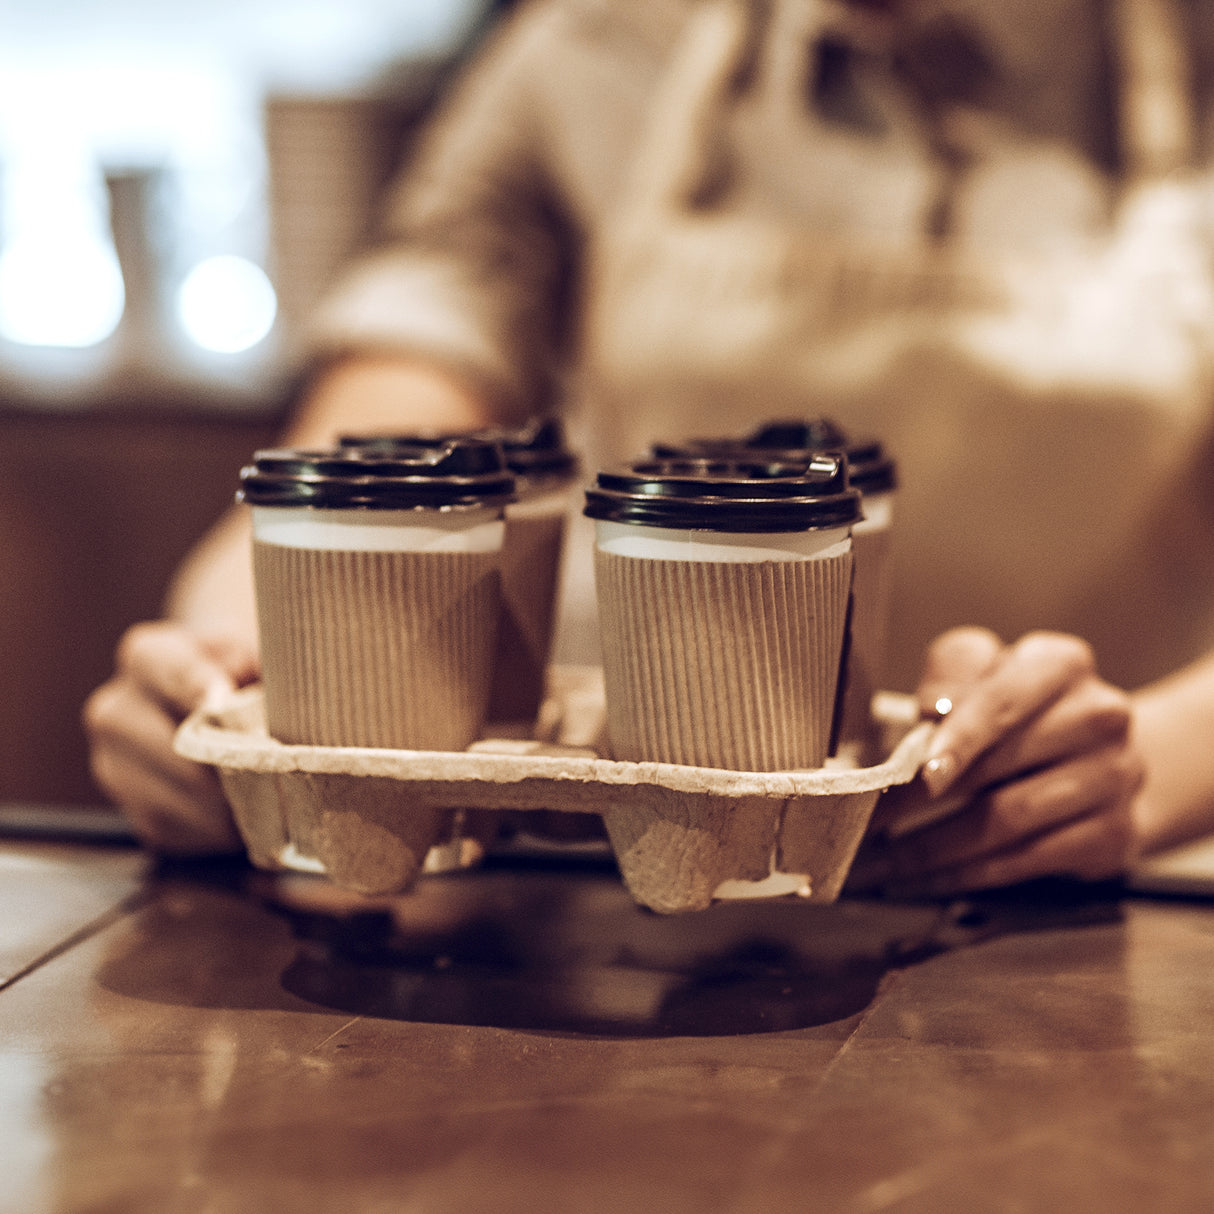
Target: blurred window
[{"x": 134, "y": 216}]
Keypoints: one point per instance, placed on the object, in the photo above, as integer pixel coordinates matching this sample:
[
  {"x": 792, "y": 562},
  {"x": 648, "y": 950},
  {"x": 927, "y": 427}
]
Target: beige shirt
[{"x": 634, "y": 209}]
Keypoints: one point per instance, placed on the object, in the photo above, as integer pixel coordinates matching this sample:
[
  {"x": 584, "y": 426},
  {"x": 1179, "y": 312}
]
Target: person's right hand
[{"x": 163, "y": 672}]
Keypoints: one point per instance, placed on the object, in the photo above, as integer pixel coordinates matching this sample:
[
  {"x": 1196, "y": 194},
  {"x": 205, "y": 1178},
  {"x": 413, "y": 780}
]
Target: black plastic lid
[
  {"x": 458, "y": 475},
  {"x": 733, "y": 495},
  {"x": 804, "y": 434},
  {"x": 870, "y": 469},
  {"x": 536, "y": 448}
]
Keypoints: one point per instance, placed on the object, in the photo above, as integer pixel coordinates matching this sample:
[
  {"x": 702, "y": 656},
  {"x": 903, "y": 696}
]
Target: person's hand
[
  {"x": 163, "y": 672},
  {"x": 1031, "y": 773}
]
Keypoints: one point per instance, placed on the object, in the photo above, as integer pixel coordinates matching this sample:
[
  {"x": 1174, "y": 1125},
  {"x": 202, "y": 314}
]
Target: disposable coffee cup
[
  {"x": 873, "y": 472},
  {"x": 546, "y": 474},
  {"x": 722, "y": 589},
  {"x": 378, "y": 592}
]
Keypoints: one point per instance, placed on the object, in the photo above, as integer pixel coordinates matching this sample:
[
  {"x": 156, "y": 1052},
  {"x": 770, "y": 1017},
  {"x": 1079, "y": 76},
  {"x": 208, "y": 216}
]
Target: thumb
[
  {"x": 235, "y": 656},
  {"x": 173, "y": 666}
]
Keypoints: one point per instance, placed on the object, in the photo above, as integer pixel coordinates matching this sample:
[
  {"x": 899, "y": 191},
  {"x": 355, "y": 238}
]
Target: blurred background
[{"x": 179, "y": 180}]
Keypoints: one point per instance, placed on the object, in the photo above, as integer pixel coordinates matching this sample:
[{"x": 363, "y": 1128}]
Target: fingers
[
  {"x": 126, "y": 725},
  {"x": 178, "y": 668},
  {"x": 167, "y": 817},
  {"x": 1023, "y": 680},
  {"x": 1091, "y": 848},
  {"x": 1090, "y": 716},
  {"x": 954, "y": 663},
  {"x": 235, "y": 656},
  {"x": 1016, "y": 820},
  {"x": 164, "y": 672}
]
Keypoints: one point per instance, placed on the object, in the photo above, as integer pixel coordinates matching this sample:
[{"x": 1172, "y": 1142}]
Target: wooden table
[{"x": 206, "y": 1039}]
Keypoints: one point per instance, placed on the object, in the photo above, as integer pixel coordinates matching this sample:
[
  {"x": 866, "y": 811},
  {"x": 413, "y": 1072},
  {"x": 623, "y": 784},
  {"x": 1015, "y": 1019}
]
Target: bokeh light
[
  {"x": 226, "y": 304},
  {"x": 60, "y": 289}
]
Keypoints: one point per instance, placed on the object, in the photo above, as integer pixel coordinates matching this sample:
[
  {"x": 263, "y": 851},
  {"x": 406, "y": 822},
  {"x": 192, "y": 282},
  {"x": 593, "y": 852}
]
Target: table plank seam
[{"x": 128, "y": 905}]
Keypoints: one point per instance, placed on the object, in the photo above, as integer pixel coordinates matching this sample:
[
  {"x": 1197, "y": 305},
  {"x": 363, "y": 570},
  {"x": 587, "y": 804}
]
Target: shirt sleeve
[{"x": 477, "y": 253}]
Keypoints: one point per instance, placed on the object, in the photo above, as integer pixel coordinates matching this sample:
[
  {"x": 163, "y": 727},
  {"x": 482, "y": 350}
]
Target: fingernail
[{"x": 939, "y": 772}]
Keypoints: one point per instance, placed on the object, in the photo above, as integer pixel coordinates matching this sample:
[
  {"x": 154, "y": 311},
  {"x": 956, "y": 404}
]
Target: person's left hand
[{"x": 1031, "y": 773}]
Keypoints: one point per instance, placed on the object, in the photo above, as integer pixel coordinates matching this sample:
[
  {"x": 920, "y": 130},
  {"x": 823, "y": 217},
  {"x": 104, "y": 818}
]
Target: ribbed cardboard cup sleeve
[
  {"x": 531, "y": 558},
  {"x": 864, "y": 668},
  {"x": 721, "y": 663},
  {"x": 379, "y": 649}
]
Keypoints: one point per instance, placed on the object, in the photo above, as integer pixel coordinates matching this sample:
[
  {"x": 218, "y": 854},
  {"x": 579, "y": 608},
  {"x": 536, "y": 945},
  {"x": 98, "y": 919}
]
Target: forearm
[
  {"x": 212, "y": 591},
  {"x": 384, "y": 393},
  {"x": 1174, "y": 731}
]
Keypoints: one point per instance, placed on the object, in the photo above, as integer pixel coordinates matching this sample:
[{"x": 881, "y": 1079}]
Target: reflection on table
[{"x": 206, "y": 1037}]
